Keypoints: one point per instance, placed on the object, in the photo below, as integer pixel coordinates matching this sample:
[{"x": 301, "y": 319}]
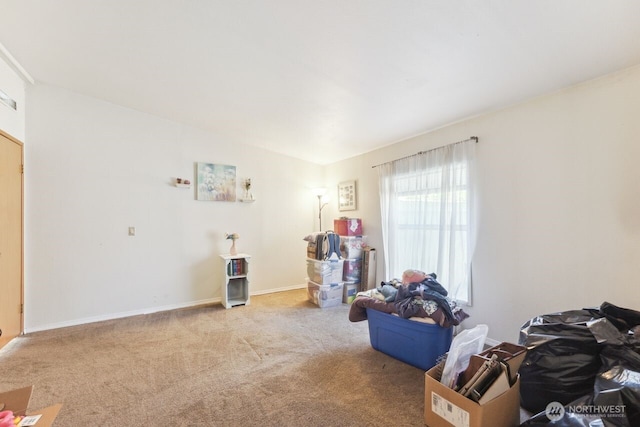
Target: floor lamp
[{"x": 322, "y": 202}]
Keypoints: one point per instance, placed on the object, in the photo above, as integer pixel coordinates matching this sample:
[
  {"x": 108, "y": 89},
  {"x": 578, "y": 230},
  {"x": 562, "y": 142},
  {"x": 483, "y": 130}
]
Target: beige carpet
[{"x": 280, "y": 361}]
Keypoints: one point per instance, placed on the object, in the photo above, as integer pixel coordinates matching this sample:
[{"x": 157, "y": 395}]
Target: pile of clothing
[{"x": 418, "y": 294}]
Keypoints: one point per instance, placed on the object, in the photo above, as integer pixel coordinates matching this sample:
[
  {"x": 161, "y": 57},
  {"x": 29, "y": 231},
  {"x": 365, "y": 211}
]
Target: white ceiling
[{"x": 319, "y": 80}]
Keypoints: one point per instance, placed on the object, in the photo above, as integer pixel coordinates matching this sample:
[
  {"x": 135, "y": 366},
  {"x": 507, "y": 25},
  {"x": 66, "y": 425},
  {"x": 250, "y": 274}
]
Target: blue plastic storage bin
[{"x": 417, "y": 343}]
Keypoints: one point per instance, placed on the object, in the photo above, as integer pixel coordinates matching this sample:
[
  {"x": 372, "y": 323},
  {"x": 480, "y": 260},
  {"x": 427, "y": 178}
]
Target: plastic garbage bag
[
  {"x": 468, "y": 342},
  {"x": 614, "y": 402},
  {"x": 623, "y": 318},
  {"x": 559, "y": 417},
  {"x": 614, "y": 397},
  {"x": 618, "y": 383},
  {"x": 562, "y": 360}
]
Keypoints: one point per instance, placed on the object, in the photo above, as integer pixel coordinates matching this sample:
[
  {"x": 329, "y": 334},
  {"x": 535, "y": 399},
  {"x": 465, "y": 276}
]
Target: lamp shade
[{"x": 318, "y": 191}]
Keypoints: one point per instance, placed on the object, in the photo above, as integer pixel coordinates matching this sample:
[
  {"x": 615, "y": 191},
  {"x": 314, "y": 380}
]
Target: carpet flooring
[{"x": 280, "y": 361}]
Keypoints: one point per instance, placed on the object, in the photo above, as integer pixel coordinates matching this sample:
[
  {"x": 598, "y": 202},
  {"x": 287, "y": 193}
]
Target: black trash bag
[
  {"x": 623, "y": 318},
  {"x": 566, "y": 418},
  {"x": 618, "y": 382},
  {"x": 614, "y": 401},
  {"x": 562, "y": 360}
]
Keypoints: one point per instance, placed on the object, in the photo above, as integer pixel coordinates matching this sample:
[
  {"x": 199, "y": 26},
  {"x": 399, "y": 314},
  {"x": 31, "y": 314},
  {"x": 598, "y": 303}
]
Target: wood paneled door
[{"x": 11, "y": 238}]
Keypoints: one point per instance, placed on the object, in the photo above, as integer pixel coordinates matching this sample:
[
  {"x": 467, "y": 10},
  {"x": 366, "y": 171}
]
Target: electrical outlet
[{"x": 132, "y": 231}]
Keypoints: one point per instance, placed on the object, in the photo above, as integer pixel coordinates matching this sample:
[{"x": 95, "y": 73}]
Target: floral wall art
[{"x": 216, "y": 182}]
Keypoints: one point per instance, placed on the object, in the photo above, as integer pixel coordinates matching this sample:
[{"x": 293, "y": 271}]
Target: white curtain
[{"x": 427, "y": 209}]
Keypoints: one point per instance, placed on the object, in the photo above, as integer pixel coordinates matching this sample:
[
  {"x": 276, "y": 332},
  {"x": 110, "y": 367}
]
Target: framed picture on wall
[
  {"x": 215, "y": 182},
  {"x": 347, "y": 196}
]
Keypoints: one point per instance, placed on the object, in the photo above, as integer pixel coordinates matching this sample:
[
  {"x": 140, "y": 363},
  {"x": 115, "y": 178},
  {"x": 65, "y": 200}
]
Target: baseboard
[
  {"x": 121, "y": 315},
  {"x": 283, "y": 289},
  {"x": 150, "y": 310}
]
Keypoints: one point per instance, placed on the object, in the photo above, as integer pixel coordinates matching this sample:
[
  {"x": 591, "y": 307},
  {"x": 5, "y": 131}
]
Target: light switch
[{"x": 132, "y": 231}]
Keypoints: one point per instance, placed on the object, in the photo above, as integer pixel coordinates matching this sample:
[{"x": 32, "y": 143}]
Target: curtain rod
[{"x": 471, "y": 138}]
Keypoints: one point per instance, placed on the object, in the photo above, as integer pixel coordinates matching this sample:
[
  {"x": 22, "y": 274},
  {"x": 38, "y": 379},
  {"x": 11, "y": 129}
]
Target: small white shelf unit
[{"x": 235, "y": 289}]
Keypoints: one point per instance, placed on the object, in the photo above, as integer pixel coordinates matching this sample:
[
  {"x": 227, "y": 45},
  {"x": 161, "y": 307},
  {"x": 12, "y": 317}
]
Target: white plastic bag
[{"x": 466, "y": 343}]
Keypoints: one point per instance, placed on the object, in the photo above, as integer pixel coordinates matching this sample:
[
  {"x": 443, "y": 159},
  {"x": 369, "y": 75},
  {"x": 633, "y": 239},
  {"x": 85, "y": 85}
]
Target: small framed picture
[
  {"x": 215, "y": 182},
  {"x": 347, "y": 196}
]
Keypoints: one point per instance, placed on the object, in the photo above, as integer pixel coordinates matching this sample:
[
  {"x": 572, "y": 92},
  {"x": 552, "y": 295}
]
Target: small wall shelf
[{"x": 183, "y": 185}]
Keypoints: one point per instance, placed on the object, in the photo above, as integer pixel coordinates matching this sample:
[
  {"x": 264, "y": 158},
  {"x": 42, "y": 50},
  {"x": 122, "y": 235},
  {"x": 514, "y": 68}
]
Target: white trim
[
  {"x": 13, "y": 63},
  {"x": 286, "y": 288},
  {"x": 151, "y": 310},
  {"x": 123, "y": 314}
]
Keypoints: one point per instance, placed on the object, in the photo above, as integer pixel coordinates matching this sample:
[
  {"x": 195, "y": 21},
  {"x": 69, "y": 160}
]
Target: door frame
[{"x": 3, "y": 339}]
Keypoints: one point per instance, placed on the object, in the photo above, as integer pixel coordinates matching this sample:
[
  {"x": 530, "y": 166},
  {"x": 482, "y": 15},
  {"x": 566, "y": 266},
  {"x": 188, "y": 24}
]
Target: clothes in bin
[{"x": 417, "y": 343}]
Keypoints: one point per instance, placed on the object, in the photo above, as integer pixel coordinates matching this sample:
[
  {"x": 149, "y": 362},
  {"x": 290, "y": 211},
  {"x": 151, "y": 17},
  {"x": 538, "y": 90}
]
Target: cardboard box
[
  {"x": 311, "y": 250},
  {"x": 348, "y": 226},
  {"x": 444, "y": 407},
  {"x": 368, "y": 280},
  {"x": 17, "y": 401},
  {"x": 512, "y": 354}
]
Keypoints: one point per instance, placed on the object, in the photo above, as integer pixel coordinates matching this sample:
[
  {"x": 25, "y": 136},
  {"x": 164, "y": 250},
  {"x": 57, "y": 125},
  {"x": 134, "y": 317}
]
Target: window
[{"x": 427, "y": 215}]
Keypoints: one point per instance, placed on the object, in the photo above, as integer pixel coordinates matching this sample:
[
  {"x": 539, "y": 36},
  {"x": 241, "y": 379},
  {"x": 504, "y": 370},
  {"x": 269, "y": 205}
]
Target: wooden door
[{"x": 11, "y": 240}]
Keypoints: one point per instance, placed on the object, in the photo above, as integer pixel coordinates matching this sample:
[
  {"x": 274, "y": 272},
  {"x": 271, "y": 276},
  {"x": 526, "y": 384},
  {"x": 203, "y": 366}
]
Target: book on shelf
[{"x": 236, "y": 267}]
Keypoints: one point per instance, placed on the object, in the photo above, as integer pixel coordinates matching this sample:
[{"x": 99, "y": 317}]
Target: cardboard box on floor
[
  {"x": 444, "y": 407},
  {"x": 17, "y": 401}
]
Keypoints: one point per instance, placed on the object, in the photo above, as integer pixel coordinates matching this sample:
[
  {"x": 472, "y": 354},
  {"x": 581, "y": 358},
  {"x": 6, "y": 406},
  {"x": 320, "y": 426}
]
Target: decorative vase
[{"x": 233, "y": 250}]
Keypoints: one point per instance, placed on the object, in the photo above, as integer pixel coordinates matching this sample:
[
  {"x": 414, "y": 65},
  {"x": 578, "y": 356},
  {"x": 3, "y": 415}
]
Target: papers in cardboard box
[
  {"x": 511, "y": 354},
  {"x": 445, "y": 407},
  {"x": 482, "y": 379},
  {"x": 486, "y": 367}
]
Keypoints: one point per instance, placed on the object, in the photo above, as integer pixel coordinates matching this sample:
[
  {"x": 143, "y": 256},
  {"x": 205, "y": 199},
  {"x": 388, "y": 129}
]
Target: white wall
[
  {"x": 94, "y": 169},
  {"x": 559, "y": 214},
  {"x": 12, "y": 121}
]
